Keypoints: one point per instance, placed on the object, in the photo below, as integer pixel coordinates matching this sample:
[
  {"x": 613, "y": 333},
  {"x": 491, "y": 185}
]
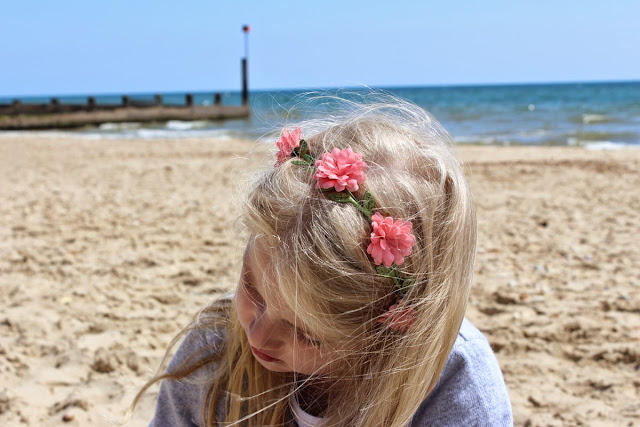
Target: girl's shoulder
[
  {"x": 180, "y": 401},
  {"x": 206, "y": 336},
  {"x": 471, "y": 388}
]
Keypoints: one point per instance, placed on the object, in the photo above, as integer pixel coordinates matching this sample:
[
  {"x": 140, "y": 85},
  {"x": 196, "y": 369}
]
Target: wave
[
  {"x": 480, "y": 140},
  {"x": 150, "y": 134},
  {"x": 115, "y": 127},
  {"x": 608, "y": 145},
  {"x": 592, "y": 119},
  {"x": 184, "y": 125},
  {"x": 173, "y": 129},
  {"x": 588, "y": 119}
]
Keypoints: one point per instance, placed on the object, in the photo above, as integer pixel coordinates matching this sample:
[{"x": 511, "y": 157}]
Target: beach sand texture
[{"x": 108, "y": 248}]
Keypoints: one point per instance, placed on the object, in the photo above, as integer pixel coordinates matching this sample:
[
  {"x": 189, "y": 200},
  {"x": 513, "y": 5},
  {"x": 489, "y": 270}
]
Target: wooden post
[
  {"x": 125, "y": 101},
  {"x": 217, "y": 99},
  {"x": 189, "y": 99},
  {"x": 91, "y": 102},
  {"x": 245, "y": 85},
  {"x": 55, "y": 105},
  {"x": 158, "y": 99}
]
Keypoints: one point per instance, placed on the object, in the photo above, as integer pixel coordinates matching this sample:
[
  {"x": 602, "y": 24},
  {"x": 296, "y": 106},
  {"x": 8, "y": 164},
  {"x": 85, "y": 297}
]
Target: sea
[{"x": 590, "y": 115}]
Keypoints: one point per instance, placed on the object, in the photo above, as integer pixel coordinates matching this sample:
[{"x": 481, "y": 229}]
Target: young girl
[{"x": 350, "y": 306}]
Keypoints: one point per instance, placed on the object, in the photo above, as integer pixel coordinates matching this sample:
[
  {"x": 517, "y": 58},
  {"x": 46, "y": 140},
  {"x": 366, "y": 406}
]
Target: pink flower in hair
[
  {"x": 400, "y": 316},
  {"x": 390, "y": 241},
  {"x": 287, "y": 143},
  {"x": 340, "y": 169}
]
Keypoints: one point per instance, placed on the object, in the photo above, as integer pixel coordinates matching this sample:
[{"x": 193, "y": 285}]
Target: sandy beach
[{"x": 109, "y": 247}]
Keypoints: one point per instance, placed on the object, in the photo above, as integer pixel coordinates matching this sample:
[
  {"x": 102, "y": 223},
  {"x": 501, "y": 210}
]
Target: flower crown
[{"x": 338, "y": 174}]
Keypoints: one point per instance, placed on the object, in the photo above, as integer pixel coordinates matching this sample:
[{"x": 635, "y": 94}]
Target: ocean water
[{"x": 593, "y": 115}]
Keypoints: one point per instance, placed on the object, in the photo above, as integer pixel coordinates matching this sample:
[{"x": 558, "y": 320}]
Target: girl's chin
[
  {"x": 280, "y": 367},
  {"x": 274, "y": 368}
]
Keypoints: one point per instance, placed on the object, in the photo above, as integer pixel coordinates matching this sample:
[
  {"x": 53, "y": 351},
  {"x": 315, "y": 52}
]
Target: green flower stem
[
  {"x": 357, "y": 204},
  {"x": 402, "y": 285}
]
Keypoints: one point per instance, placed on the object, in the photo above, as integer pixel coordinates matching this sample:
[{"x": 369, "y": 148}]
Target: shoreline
[
  {"x": 110, "y": 249},
  {"x": 183, "y": 130}
]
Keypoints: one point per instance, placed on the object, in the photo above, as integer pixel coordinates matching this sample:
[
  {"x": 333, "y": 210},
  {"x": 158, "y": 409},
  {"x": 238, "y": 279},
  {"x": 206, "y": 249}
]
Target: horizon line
[{"x": 329, "y": 88}]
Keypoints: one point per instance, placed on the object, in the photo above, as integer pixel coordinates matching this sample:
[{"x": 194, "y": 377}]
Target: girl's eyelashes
[
  {"x": 301, "y": 336},
  {"x": 257, "y": 298},
  {"x": 253, "y": 292}
]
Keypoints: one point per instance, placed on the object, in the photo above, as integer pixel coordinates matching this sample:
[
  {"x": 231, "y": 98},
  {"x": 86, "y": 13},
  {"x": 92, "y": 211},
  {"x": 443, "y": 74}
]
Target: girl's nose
[{"x": 264, "y": 334}]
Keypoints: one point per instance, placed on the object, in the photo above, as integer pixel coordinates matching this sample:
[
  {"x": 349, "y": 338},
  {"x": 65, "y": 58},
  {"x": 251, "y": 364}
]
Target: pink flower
[
  {"x": 399, "y": 316},
  {"x": 390, "y": 241},
  {"x": 287, "y": 143},
  {"x": 340, "y": 169}
]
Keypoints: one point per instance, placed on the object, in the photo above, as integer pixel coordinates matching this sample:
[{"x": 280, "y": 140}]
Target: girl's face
[{"x": 278, "y": 341}]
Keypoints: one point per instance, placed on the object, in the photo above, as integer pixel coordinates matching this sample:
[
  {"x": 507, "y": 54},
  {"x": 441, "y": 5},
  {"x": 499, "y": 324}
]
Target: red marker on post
[{"x": 246, "y": 29}]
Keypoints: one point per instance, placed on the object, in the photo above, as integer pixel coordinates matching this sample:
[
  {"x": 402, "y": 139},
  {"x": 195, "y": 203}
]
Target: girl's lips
[{"x": 263, "y": 356}]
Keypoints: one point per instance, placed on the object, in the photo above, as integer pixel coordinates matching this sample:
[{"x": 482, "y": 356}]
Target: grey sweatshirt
[{"x": 469, "y": 392}]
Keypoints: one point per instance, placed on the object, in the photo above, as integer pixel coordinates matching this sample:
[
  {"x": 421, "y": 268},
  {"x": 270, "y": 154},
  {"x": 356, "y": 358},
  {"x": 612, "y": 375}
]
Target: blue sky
[{"x": 135, "y": 46}]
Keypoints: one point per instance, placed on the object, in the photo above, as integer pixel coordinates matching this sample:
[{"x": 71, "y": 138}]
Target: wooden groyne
[{"x": 56, "y": 115}]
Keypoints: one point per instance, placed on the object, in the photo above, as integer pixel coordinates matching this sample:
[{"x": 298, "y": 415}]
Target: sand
[{"x": 108, "y": 248}]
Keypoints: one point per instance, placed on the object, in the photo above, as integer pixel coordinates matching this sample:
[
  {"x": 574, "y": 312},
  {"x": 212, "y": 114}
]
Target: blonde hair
[{"x": 323, "y": 273}]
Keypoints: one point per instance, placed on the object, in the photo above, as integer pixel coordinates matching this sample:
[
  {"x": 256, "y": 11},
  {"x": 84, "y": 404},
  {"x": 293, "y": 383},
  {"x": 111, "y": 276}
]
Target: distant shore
[{"x": 109, "y": 249}]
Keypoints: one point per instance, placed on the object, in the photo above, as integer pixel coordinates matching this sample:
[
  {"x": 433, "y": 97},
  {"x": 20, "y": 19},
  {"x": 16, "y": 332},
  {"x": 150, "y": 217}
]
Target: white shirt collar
[{"x": 303, "y": 418}]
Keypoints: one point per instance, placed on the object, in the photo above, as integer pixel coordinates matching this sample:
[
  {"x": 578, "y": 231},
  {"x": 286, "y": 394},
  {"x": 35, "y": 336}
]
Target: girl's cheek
[
  {"x": 305, "y": 361},
  {"x": 243, "y": 307}
]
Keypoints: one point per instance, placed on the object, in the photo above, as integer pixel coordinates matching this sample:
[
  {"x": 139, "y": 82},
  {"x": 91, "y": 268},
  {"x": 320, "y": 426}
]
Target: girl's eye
[
  {"x": 253, "y": 292},
  {"x": 302, "y": 337}
]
